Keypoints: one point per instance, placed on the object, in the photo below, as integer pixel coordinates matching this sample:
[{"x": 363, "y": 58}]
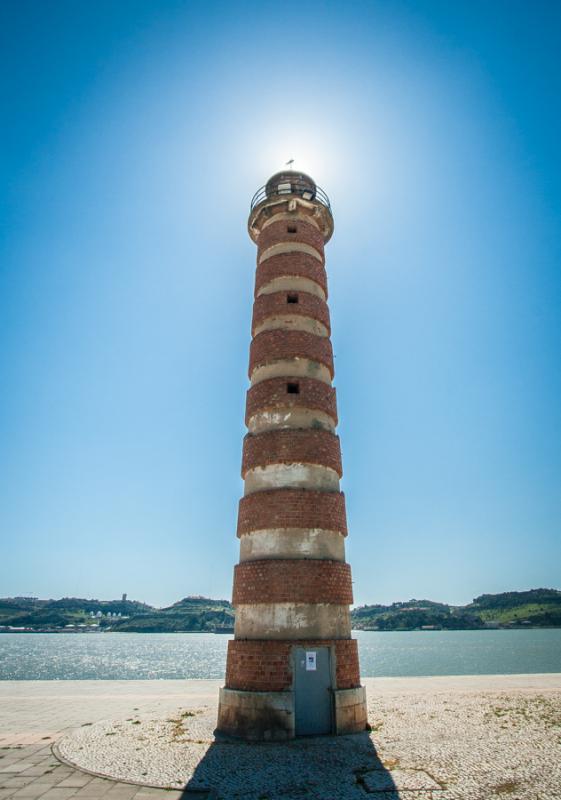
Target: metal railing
[{"x": 299, "y": 187}]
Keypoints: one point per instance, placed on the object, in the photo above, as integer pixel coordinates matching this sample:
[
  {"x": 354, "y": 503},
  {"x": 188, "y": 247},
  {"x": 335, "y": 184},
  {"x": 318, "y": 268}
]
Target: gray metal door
[{"x": 312, "y": 691}]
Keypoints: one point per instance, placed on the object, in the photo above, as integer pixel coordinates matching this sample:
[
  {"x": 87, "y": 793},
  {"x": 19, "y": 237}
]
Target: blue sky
[{"x": 134, "y": 136}]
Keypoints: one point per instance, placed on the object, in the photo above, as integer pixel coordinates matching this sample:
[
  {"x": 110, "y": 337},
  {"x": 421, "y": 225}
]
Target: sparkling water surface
[{"x": 135, "y": 656}]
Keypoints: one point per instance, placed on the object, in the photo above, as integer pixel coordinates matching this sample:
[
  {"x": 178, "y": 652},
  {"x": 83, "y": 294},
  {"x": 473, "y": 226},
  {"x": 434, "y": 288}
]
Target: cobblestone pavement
[{"x": 457, "y": 738}]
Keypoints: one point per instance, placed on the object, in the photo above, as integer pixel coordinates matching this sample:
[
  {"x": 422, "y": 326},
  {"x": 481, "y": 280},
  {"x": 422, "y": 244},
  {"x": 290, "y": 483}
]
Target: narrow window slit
[
  {"x": 291, "y": 297},
  {"x": 293, "y": 388},
  {"x": 291, "y": 229}
]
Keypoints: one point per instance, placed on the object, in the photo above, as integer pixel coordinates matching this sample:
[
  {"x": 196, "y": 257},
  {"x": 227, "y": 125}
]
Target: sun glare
[{"x": 305, "y": 150}]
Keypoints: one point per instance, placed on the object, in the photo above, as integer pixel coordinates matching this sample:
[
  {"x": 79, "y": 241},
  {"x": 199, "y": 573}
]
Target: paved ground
[
  {"x": 34, "y": 714},
  {"x": 476, "y": 738}
]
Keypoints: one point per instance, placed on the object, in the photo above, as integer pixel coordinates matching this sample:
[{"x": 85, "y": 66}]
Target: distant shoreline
[
  {"x": 105, "y": 631},
  {"x": 383, "y": 684},
  {"x": 535, "y": 608}
]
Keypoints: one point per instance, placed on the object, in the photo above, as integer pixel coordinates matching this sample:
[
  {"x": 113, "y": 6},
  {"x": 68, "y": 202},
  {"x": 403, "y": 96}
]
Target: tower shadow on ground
[{"x": 322, "y": 768}]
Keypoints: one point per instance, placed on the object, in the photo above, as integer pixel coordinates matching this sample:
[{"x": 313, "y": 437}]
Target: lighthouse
[{"x": 292, "y": 667}]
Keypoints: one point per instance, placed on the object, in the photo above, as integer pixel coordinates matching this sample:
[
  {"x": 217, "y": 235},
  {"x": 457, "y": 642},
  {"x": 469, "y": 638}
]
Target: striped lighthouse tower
[{"x": 292, "y": 667}]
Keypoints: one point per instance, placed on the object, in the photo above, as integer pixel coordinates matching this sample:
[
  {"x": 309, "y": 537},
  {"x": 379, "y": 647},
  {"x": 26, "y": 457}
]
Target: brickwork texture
[
  {"x": 292, "y": 581},
  {"x": 300, "y": 303},
  {"x": 260, "y": 666},
  {"x": 292, "y": 446},
  {"x": 273, "y": 394},
  {"x": 300, "y": 265},
  {"x": 292, "y": 508},
  {"x": 284, "y": 231},
  {"x": 270, "y": 346}
]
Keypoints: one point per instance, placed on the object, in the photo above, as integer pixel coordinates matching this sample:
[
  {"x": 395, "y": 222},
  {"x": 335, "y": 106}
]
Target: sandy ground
[{"x": 452, "y": 737}]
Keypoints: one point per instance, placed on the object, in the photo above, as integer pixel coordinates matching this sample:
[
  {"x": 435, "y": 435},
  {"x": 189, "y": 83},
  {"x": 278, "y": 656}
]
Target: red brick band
[
  {"x": 273, "y": 394},
  {"x": 305, "y": 446},
  {"x": 301, "y": 265},
  {"x": 280, "y": 303},
  {"x": 258, "y": 666},
  {"x": 292, "y": 508},
  {"x": 270, "y": 346},
  {"x": 287, "y": 231},
  {"x": 266, "y": 666},
  {"x": 347, "y": 668},
  {"x": 292, "y": 581}
]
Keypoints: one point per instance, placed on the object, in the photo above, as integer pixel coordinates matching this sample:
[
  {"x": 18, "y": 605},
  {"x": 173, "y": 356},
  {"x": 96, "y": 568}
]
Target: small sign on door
[{"x": 311, "y": 661}]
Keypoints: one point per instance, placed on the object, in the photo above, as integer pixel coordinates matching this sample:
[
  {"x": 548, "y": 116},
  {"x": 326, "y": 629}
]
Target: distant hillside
[
  {"x": 414, "y": 615},
  {"x": 535, "y": 608},
  {"x": 190, "y": 614},
  {"x": 540, "y": 607},
  {"x": 73, "y": 614}
]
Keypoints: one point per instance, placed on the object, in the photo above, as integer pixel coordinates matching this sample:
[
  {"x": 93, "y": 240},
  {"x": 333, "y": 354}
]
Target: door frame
[{"x": 332, "y": 676}]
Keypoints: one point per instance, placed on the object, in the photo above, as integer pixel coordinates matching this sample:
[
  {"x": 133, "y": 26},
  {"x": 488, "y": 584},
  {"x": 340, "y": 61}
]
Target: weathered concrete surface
[
  {"x": 296, "y": 367},
  {"x": 350, "y": 710},
  {"x": 292, "y": 621},
  {"x": 292, "y": 543},
  {"x": 476, "y": 737},
  {"x": 291, "y": 476},
  {"x": 295, "y": 322},
  {"x": 292, "y": 283},
  {"x": 290, "y": 247},
  {"x": 282, "y": 418},
  {"x": 256, "y": 716}
]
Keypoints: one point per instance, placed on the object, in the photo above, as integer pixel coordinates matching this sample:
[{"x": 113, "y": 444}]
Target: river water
[{"x": 134, "y": 656}]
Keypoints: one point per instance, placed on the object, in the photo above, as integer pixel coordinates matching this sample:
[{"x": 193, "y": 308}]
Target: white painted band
[
  {"x": 291, "y": 476},
  {"x": 289, "y": 417},
  {"x": 291, "y": 368},
  {"x": 290, "y": 247},
  {"x": 293, "y": 217},
  {"x": 291, "y": 322},
  {"x": 292, "y": 543},
  {"x": 292, "y": 621},
  {"x": 293, "y": 283}
]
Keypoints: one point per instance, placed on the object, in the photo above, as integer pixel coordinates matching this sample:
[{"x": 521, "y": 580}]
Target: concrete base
[
  {"x": 269, "y": 716},
  {"x": 351, "y": 714},
  {"x": 256, "y": 716}
]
